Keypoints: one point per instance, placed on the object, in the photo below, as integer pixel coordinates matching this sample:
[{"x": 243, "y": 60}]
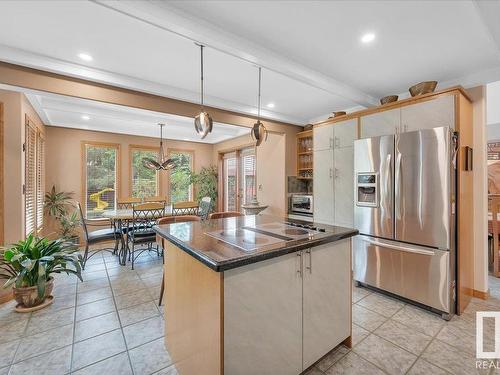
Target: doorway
[{"x": 239, "y": 178}]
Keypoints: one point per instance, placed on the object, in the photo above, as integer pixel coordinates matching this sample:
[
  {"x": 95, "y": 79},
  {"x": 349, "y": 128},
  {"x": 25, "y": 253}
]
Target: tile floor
[{"x": 111, "y": 323}]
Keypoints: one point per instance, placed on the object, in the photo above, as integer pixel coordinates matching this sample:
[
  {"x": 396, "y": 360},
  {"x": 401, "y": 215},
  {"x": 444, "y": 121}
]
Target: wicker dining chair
[
  {"x": 171, "y": 220},
  {"x": 141, "y": 231},
  {"x": 157, "y": 199},
  {"x": 127, "y": 203},
  {"x": 222, "y": 215},
  {"x": 97, "y": 236}
]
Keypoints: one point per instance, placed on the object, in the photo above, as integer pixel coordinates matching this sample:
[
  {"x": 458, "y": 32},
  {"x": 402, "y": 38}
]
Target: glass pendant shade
[{"x": 161, "y": 164}]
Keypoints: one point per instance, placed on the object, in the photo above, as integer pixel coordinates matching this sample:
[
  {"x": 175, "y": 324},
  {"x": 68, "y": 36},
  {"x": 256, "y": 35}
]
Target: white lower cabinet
[
  {"x": 282, "y": 315},
  {"x": 326, "y": 299}
]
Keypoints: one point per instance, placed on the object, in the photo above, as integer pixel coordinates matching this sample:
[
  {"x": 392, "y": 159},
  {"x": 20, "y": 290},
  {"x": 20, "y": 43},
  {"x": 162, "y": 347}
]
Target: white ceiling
[
  {"x": 313, "y": 60},
  {"x": 68, "y": 112}
]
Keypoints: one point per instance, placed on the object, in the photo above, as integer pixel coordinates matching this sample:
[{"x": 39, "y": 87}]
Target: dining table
[{"x": 121, "y": 217}]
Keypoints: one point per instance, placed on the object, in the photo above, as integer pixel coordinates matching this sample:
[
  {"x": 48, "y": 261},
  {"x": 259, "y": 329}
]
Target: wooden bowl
[
  {"x": 389, "y": 99},
  {"x": 423, "y": 88},
  {"x": 337, "y": 114}
]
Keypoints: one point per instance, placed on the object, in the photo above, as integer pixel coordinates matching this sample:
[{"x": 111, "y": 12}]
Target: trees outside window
[
  {"x": 181, "y": 189},
  {"x": 144, "y": 181}
]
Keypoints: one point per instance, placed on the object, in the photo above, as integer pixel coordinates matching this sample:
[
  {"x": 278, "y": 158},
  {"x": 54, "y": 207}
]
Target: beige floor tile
[
  {"x": 381, "y": 304},
  {"x": 358, "y": 334},
  {"x": 98, "y": 325},
  {"x": 422, "y": 367},
  {"x": 385, "y": 355},
  {"x": 144, "y": 331},
  {"x": 403, "y": 336},
  {"x": 118, "y": 364},
  {"x": 33, "y": 345},
  {"x": 419, "y": 320},
  {"x": 353, "y": 364},
  {"x": 93, "y": 295},
  {"x": 312, "y": 371},
  {"x": 365, "y": 318},
  {"x": 89, "y": 285},
  {"x": 132, "y": 299},
  {"x": 451, "y": 359},
  {"x": 332, "y": 357},
  {"x": 45, "y": 319},
  {"x": 150, "y": 357},
  {"x": 12, "y": 330},
  {"x": 359, "y": 293},
  {"x": 55, "y": 362},
  {"x": 171, "y": 370},
  {"x": 96, "y": 308},
  {"x": 137, "y": 313},
  {"x": 4, "y": 370},
  {"x": 97, "y": 348},
  {"x": 7, "y": 352}
]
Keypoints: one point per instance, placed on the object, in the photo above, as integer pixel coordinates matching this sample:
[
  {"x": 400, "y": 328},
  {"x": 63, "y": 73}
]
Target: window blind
[
  {"x": 40, "y": 175},
  {"x": 30, "y": 180}
]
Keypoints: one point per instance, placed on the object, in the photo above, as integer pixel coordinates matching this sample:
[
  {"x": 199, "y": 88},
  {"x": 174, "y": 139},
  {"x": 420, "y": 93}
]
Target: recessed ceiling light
[
  {"x": 270, "y": 105},
  {"x": 368, "y": 37},
  {"x": 85, "y": 117},
  {"x": 85, "y": 56}
]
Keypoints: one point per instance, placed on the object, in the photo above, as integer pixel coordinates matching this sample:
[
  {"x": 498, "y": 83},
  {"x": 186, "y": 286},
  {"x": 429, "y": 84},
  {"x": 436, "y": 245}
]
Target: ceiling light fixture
[
  {"x": 85, "y": 117},
  {"x": 85, "y": 56},
  {"x": 270, "y": 105},
  {"x": 161, "y": 163},
  {"x": 259, "y": 131},
  {"x": 368, "y": 37},
  {"x": 202, "y": 122}
]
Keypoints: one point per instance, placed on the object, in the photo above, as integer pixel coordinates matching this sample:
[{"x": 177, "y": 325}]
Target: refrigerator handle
[
  {"x": 386, "y": 181},
  {"x": 400, "y": 248},
  {"x": 454, "y": 141},
  {"x": 398, "y": 184}
]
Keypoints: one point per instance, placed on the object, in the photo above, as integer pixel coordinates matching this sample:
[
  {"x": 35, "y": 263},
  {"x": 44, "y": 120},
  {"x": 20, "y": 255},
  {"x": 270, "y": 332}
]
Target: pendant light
[
  {"x": 161, "y": 164},
  {"x": 259, "y": 131},
  {"x": 202, "y": 122}
]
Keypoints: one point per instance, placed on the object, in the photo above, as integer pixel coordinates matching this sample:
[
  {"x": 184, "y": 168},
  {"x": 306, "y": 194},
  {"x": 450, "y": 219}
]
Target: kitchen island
[{"x": 255, "y": 294}]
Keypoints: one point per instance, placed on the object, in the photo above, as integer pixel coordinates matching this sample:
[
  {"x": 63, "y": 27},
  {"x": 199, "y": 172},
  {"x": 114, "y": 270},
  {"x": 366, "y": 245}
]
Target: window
[
  {"x": 181, "y": 189},
  {"x": 247, "y": 160},
  {"x": 230, "y": 181},
  {"x": 101, "y": 182},
  {"x": 33, "y": 178},
  {"x": 239, "y": 178},
  {"x": 144, "y": 181}
]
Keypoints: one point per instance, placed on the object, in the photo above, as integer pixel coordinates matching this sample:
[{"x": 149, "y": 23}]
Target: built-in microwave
[{"x": 302, "y": 203}]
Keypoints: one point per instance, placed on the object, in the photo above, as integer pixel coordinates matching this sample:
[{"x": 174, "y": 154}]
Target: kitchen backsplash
[{"x": 296, "y": 185}]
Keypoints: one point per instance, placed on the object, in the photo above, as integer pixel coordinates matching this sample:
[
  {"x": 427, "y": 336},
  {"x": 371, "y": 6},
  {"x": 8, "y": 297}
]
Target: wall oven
[{"x": 302, "y": 204}]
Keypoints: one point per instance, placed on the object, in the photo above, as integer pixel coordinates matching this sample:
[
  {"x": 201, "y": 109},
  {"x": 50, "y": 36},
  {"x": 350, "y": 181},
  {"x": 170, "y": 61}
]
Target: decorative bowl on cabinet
[
  {"x": 423, "y": 88},
  {"x": 389, "y": 99}
]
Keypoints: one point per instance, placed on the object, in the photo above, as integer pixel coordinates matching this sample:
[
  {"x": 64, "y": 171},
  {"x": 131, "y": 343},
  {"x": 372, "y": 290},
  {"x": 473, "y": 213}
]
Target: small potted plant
[
  {"x": 28, "y": 266},
  {"x": 68, "y": 224}
]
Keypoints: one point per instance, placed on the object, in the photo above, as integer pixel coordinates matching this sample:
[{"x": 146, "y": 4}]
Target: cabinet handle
[
  {"x": 299, "y": 270},
  {"x": 331, "y": 173},
  {"x": 310, "y": 261},
  {"x": 331, "y": 142},
  {"x": 337, "y": 142},
  {"x": 336, "y": 173}
]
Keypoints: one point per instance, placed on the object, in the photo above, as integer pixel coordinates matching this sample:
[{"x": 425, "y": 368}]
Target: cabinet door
[
  {"x": 344, "y": 186},
  {"x": 323, "y": 137},
  {"x": 323, "y": 203},
  {"x": 327, "y": 299},
  {"x": 344, "y": 133},
  {"x": 263, "y": 317},
  {"x": 433, "y": 113},
  {"x": 381, "y": 123}
]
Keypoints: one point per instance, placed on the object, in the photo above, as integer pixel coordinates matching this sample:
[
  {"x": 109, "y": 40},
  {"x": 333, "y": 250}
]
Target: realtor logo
[{"x": 480, "y": 353}]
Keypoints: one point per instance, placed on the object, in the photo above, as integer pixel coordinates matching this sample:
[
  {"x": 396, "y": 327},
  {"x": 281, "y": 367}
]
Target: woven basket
[
  {"x": 389, "y": 99},
  {"x": 423, "y": 88}
]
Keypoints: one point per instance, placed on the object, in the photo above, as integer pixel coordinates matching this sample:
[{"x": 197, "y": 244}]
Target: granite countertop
[{"x": 220, "y": 256}]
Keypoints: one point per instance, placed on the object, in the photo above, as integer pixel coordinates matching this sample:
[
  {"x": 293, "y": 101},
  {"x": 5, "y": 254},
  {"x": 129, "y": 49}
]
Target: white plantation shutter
[
  {"x": 30, "y": 180},
  {"x": 40, "y": 174}
]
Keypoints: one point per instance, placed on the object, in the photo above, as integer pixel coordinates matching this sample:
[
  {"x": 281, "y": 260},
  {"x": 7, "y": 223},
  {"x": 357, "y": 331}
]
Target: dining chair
[
  {"x": 171, "y": 220},
  {"x": 127, "y": 203},
  {"x": 222, "y": 215},
  {"x": 141, "y": 231},
  {"x": 184, "y": 208},
  {"x": 97, "y": 236},
  {"x": 158, "y": 199},
  {"x": 205, "y": 207}
]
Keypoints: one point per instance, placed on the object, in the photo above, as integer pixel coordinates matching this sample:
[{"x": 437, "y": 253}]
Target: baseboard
[{"x": 480, "y": 294}]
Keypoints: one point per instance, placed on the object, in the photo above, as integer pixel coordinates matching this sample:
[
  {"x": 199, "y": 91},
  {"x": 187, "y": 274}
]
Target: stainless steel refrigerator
[{"x": 405, "y": 212}]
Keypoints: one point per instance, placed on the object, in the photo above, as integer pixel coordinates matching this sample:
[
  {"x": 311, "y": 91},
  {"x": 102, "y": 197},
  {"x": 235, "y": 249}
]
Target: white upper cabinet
[
  {"x": 323, "y": 204},
  {"x": 432, "y": 113},
  {"x": 380, "y": 123},
  {"x": 344, "y": 133},
  {"x": 344, "y": 186},
  {"x": 323, "y": 137}
]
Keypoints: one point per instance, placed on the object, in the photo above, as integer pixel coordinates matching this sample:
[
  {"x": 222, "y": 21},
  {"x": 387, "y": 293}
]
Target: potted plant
[
  {"x": 205, "y": 183},
  {"x": 29, "y": 264},
  {"x": 68, "y": 224}
]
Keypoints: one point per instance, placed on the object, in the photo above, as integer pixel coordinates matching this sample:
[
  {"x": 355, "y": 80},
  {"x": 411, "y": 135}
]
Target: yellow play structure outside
[{"x": 96, "y": 197}]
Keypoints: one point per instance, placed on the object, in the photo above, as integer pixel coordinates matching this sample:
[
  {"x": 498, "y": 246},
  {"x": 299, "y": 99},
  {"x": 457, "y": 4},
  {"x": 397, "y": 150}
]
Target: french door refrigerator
[{"x": 405, "y": 212}]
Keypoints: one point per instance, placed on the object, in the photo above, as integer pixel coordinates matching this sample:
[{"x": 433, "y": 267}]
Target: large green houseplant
[
  {"x": 205, "y": 184},
  {"x": 58, "y": 205},
  {"x": 29, "y": 265}
]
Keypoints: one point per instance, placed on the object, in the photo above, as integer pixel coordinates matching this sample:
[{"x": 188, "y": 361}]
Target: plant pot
[{"x": 28, "y": 296}]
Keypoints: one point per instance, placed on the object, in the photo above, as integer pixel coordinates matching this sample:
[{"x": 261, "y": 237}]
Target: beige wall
[
  {"x": 16, "y": 107},
  {"x": 64, "y": 157},
  {"x": 478, "y": 96}
]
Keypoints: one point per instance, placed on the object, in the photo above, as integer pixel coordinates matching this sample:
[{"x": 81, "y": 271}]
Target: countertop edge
[{"x": 221, "y": 267}]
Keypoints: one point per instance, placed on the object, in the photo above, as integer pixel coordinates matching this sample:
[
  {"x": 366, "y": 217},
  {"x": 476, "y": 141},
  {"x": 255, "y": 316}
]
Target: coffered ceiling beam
[{"x": 169, "y": 18}]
